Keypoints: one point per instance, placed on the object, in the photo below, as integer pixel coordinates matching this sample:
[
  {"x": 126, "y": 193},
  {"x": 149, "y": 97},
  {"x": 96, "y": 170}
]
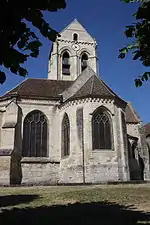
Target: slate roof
[
  {"x": 147, "y": 129},
  {"x": 94, "y": 87},
  {"x": 39, "y": 89},
  {"x": 131, "y": 115},
  {"x": 88, "y": 84}
]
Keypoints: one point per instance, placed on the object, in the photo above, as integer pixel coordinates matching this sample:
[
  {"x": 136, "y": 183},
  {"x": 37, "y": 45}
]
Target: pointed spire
[{"x": 75, "y": 20}]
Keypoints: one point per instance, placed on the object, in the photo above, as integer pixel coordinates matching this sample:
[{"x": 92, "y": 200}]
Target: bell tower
[{"x": 71, "y": 53}]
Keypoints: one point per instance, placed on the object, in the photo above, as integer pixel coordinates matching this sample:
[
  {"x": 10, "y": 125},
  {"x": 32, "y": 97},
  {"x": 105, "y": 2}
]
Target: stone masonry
[{"x": 78, "y": 94}]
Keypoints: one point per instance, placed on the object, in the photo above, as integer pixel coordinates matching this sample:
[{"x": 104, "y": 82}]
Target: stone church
[{"x": 70, "y": 127}]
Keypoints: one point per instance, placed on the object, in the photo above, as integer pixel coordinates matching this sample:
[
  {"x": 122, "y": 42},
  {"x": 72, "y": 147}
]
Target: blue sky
[{"x": 104, "y": 20}]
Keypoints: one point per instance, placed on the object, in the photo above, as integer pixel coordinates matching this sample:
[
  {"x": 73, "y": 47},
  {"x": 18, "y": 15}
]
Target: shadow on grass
[
  {"x": 11, "y": 200},
  {"x": 75, "y": 214}
]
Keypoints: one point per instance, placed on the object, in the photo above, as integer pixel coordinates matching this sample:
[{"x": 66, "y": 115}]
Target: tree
[
  {"x": 139, "y": 32},
  {"x": 17, "y": 41}
]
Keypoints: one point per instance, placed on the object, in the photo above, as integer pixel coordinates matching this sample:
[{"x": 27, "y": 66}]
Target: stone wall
[
  {"x": 39, "y": 172},
  {"x": 8, "y": 161},
  {"x": 97, "y": 166},
  {"x": 133, "y": 129},
  {"x": 136, "y": 130},
  {"x": 5, "y": 170},
  {"x": 83, "y": 164}
]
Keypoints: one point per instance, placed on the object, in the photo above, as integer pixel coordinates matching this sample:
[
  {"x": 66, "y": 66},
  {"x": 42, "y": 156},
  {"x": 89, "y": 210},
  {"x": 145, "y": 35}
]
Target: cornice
[
  {"x": 78, "y": 42},
  {"x": 38, "y": 102},
  {"x": 85, "y": 100}
]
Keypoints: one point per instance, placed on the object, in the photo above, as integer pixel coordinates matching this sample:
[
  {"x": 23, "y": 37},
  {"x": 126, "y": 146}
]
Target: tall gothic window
[
  {"x": 84, "y": 61},
  {"x": 65, "y": 63},
  {"x": 75, "y": 37},
  {"x": 65, "y": 136},
  {"x": 101, "y": 130},
  {"x": 35, "y": 135}
]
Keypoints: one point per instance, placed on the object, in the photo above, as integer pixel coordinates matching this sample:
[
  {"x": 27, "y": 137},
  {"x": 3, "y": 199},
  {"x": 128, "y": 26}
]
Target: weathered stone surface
[
  {"x": 5, "y": 170},
  {"x": 33, "y": 173},
  {"x": 84, "y": 164}
]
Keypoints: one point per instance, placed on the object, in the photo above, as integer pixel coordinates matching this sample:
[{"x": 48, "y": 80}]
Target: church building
[{"x": 71, "y": 127}]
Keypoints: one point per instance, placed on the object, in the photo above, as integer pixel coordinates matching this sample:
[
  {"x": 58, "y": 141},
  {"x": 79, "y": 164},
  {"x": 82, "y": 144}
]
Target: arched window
[
  {"x": 65, "y": 64},
  {"x": 84, "y": 61},
  {"x": 75, "y": 37},
  {"x": 35, "y": 135},
  {"x": 101, "y": 130},
  {"x": 65, "y": 136}
]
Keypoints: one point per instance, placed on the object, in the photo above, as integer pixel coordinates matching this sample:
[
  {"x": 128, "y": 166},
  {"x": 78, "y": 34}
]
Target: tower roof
[{"x": 76, "y": 26}]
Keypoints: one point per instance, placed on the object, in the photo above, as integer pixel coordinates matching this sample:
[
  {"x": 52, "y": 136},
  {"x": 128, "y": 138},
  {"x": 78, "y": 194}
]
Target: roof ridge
[
  {"x": 92, "y": 84},
  {"x": 89, "y": 89},
  {"x": 82, "y": 86},
  {"x": 11, "y": 90},
  {"x": 132, "y": 109},
  {"x": 21, "y": 85},
  {"x": 77, "y": 84},
  {"x": 109, "y": 89}
]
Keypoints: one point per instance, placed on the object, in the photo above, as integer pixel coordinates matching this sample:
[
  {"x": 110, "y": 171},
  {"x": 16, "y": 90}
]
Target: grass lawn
[{"x": 113, "y": 205}]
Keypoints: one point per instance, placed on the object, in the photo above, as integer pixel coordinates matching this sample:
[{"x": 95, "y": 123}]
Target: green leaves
[
  {"x": 33, "y": 47},
  {"x": 125, "y": 50},
  {"x": 139, "y": 80},
  {"x": 18, "y": 42},
  {"x": 130, "y": 31},
  {"x": 140, "y": 33},
  {"x": 2, "y": 77}
]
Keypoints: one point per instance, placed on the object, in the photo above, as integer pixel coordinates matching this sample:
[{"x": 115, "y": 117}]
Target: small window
[
  {"x": 65, "y": 64},
  {"x": 84, "y": 61},
  {"x": 75, "y": 37}
]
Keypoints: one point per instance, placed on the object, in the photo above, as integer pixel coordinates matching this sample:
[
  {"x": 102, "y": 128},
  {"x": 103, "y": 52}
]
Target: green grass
[
  {"x": 77, "y": 198},
  {"x": 137, "y": 195}
]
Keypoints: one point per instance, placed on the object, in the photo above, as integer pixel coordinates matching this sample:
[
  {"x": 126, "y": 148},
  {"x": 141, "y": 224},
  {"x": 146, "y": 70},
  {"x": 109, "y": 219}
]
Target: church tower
[{"x": 71, "y": 53}]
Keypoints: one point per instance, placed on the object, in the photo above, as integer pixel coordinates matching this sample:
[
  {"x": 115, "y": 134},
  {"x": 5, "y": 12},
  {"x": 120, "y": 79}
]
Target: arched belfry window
[
  {"x": 75, "y": 37},
  {"x": 35, "y": 135},
  {"x": 65, "y": 136},
  {"x": 65, "y": 63},
  {"x": 84, "y": 61},
  {"x": 101, "y": 130}
]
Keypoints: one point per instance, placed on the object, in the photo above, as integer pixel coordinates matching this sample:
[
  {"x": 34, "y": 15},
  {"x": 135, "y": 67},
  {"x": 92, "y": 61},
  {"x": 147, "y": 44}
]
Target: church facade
[{"x": 70, "y": 127}]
